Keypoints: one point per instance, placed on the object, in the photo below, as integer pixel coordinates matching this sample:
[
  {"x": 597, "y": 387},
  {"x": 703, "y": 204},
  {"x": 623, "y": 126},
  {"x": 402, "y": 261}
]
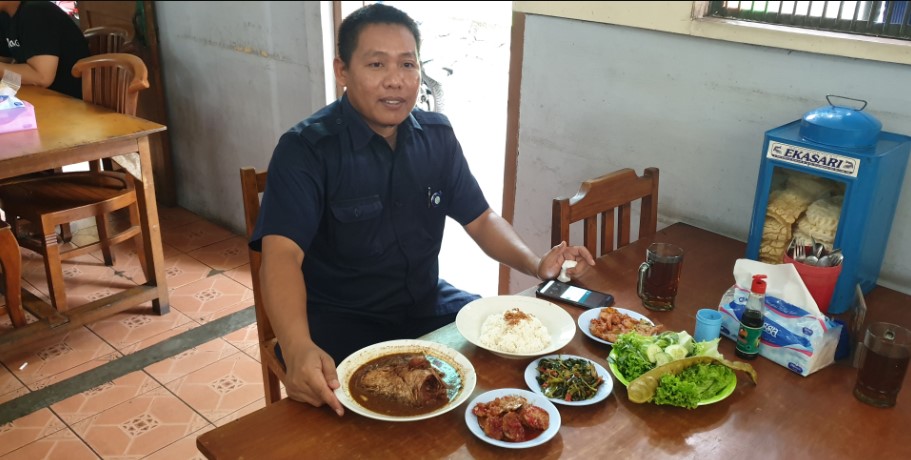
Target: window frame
[
  {"x": 690, "y": 18},
  {"x": 853, "y": 22}
]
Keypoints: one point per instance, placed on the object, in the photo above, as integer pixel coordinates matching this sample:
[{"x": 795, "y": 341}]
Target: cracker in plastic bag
[
  {"x": 789, "y": 205},
  {"x": 775, "y": 237},
  {"x": 821, "y": 220},
  {"x": 9, "y": 84}
]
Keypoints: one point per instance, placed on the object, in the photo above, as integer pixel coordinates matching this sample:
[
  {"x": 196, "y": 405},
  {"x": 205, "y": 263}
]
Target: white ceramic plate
[
  {"x": 558, "y": 322},
  {"x": 531, "y": 379},
  {"x": 432, "y": 349},
  {"x": 586, "y": 318},
  {"x": 724, "y": 393},
  {"x": 533, "y": 398}
]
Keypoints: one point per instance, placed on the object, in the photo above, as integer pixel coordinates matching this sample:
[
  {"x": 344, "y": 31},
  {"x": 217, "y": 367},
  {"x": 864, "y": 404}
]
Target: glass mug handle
[{"x": 643, "y": 270}]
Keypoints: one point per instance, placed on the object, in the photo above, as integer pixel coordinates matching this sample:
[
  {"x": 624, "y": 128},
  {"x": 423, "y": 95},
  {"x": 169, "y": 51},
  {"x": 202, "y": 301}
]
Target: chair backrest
[
  {"x": 112, "y": 80},
  {"x": 610, "y": 197},
  {"x": 106, "y": 39},
  {"x": 253, "y": 183}
]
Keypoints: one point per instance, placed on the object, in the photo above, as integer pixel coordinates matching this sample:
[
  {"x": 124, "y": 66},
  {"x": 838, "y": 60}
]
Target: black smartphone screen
[{"x": 575, "y": 295}]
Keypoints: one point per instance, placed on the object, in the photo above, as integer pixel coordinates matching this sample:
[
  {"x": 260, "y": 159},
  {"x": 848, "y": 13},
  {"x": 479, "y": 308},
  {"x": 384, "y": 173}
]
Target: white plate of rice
[{"x": 534, "y": 327}]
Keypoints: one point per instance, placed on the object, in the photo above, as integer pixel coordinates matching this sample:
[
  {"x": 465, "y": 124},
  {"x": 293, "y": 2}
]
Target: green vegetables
[
  {"x": 692, "y": 385},
  {"x": 570, "y": 379},
  {"x": 635, "y": 354}
]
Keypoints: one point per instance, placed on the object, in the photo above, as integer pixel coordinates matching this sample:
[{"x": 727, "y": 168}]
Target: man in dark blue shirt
[
  {"x": 44, "y": 43},
  {"x": 363, "y": 188}
]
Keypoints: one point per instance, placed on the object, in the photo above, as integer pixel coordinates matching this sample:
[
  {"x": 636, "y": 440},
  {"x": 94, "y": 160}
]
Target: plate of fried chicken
[
  {"x": 606, "y": 324},
  {"x": 512, "y": 418}
]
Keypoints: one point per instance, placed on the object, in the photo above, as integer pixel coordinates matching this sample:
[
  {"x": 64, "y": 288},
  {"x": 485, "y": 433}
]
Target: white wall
[
  {"x": 237, "y": 76},
  {"x": 598, "y": 97},
  {"x": 595, "y": 98}
]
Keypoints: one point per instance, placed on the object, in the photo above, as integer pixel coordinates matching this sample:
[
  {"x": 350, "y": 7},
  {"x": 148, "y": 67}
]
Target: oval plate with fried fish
[{"x": 437, "y": 350}]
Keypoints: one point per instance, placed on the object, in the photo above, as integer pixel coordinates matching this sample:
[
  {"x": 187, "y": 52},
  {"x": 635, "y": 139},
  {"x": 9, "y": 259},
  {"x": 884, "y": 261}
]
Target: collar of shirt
[{"x": 361, "y": 134}]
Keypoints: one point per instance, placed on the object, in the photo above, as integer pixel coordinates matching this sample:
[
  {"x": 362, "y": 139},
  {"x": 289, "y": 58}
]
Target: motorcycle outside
[{"x": 430, "y": 97}]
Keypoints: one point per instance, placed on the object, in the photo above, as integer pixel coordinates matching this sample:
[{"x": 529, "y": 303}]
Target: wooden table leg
[
  {"x": 148, "y": 208},
  {"x": 11, "y": 261}
]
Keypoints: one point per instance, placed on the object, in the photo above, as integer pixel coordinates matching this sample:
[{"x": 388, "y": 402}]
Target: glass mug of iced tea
[
  {"x": 659, "y": 276},
  {"x": 883, "y": 362}
]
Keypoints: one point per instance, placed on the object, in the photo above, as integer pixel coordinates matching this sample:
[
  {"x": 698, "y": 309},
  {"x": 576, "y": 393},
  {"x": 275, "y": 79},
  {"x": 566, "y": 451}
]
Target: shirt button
[
  {"x": 357, "y": 212},
  {"x": 398, "y": 204},
  {"x": 338, "y": 121}
]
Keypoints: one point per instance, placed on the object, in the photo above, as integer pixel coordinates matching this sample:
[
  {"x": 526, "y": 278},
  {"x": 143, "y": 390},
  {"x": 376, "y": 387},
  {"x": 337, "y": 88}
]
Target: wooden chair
[
  {"x": 610, "y": 197},
  {"x": 46, "y": 202},
  {"x": 252, "y": 184},
  {"x": 112, "y": 80},
  {"x": 11, "y": 263},
  {"x": 106, "y": 39}
]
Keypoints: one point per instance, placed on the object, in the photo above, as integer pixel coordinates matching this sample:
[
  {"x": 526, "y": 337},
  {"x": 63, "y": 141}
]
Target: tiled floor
[{"x": 156, "y": 412}]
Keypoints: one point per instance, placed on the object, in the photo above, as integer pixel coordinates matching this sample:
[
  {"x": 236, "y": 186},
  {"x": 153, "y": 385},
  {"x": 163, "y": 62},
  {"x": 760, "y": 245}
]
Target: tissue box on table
[
  {"x": 16, "y": 115},
  {"x": 795, "y": 333}
]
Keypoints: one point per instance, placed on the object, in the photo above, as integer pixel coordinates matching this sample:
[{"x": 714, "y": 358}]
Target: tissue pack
[
  {"x": 16, "y": 115},
  {"x": 795, "y": 333}
]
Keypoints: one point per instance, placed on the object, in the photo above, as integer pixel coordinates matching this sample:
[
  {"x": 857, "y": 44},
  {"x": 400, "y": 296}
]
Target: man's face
[{"x": 383, "y": 76}]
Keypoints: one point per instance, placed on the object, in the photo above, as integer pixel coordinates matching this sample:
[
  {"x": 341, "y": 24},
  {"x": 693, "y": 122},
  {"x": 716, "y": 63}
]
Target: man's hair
[{"x": 376, "y": 13}]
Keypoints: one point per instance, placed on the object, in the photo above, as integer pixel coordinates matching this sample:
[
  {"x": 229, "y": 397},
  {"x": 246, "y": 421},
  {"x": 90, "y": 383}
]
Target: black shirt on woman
[{"x": 42, "y": 28}]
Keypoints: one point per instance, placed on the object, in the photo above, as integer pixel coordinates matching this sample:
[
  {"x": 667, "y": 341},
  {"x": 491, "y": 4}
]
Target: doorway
[{"x": 467, "y": 46}]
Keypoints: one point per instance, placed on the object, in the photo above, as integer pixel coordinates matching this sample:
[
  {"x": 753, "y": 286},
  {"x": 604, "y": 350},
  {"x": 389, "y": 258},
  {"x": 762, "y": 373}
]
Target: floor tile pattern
[{"x": 155, "y": 412}]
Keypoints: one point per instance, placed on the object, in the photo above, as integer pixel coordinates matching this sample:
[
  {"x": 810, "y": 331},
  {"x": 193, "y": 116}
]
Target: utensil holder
[{"x": 820, "y": 281}]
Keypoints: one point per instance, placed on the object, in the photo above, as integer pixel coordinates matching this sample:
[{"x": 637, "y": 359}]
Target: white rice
[{"x": 525, "y": 334}]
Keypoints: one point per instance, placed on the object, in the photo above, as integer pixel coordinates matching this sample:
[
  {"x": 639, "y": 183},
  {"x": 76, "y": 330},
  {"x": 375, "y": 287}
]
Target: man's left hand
[{"x": 552, "y": 262}]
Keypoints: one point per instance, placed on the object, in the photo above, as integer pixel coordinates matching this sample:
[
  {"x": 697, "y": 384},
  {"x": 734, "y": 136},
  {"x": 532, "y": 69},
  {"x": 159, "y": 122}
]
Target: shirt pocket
[{"x": 357, "y": 228}]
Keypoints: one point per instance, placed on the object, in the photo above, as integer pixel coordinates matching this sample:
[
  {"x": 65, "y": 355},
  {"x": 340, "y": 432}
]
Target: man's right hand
[{"x": 311, "y": 376}]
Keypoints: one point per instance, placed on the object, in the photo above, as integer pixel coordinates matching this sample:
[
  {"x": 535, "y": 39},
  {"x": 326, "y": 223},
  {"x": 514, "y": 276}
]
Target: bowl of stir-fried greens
[{"x": 568, "y": 379}]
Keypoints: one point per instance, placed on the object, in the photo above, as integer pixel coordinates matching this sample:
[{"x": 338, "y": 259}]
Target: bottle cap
[{"x": 759, "y": 284}]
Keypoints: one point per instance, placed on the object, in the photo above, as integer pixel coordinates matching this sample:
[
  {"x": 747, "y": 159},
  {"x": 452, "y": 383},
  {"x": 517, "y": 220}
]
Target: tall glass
[
  {"x": 659, "y": 276},
  {"x": 883, "y": 363}
]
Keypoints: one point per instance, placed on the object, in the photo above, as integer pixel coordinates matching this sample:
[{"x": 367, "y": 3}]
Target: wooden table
[
  {"x": 784, "y": 416},
  {"x": 71, "y": 131}
]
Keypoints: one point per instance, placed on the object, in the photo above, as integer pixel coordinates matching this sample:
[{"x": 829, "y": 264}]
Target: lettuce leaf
[
  {"x": 694, "y": 384},
  {"x": 636, "y": 354},
  {"x": 709, "y": 348},
  {"x": 631, "y": 356}
]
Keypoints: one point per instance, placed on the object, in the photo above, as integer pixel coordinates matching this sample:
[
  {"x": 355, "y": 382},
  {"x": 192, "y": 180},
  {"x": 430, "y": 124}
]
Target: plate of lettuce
[{"x": 699, "y": 377}]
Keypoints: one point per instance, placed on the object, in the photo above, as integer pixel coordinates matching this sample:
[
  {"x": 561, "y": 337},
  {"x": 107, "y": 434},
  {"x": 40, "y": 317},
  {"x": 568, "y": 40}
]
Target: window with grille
[{"x": 890, "y": 19}]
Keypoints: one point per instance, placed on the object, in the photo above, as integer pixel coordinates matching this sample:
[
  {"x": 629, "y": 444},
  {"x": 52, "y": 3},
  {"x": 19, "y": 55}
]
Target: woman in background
[{"x": 43, "y": 43}]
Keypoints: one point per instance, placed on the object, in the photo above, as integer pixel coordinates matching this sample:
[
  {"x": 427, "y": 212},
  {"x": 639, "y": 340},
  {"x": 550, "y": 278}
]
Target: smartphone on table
[{"x": 574, "y": 295}]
